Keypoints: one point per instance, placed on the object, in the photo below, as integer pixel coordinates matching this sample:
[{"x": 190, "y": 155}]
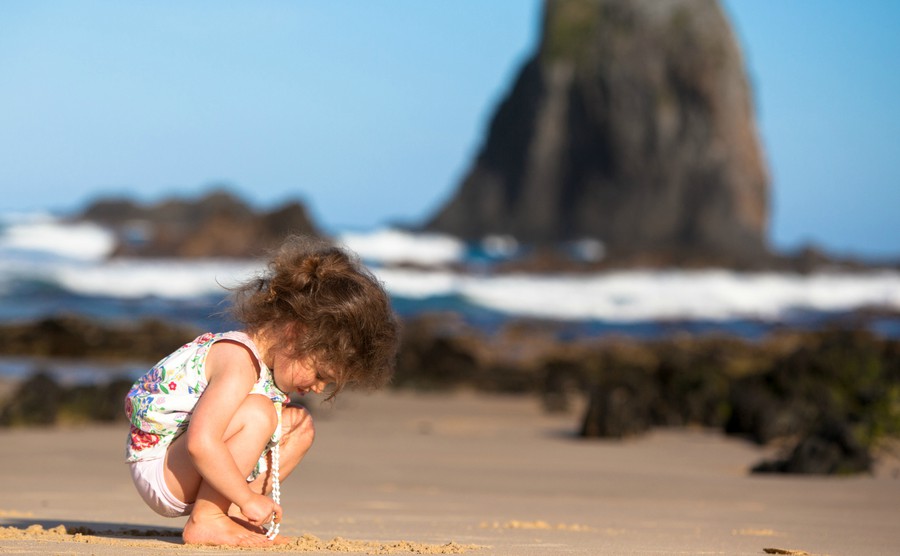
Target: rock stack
[{"x": 632, "y": 124}]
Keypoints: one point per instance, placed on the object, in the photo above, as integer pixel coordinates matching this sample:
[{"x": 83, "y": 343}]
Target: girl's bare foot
[
  {"x": 281, "y": 539},
  {"x": 240, "y": 520},
  {"x": 220, "y": 529}
]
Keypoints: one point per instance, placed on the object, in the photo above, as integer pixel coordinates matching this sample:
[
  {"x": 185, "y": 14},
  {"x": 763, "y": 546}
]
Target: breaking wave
[{"x": 40, "y": 254}]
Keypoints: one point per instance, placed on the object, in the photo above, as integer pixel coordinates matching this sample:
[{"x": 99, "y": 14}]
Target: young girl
[{"x": 204, "y": 419}]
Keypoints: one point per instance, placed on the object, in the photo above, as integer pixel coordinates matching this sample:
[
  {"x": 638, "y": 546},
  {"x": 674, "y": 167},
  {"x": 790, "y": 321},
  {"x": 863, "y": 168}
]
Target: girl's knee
[
  {"x": 259, "y": 411},
  {"x": 297, "y": 424}
]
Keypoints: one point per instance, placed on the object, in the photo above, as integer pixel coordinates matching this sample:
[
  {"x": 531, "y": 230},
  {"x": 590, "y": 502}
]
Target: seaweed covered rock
[
  {"x": 662, "y": 383},
  {"x": 833, "y": 396},
  {"x": 74, "y": 336},
  {"x": 830, "y": 396},
  {"x": 35, "y": 402},
  {"x": 620, "y": 408},
  {"x": 838, "y": 394},
  {"x": 562, "y": 380},
  {"x": 830, "y": 448},
  {"x": 834, "y": 376},
  {"x": 435, "y": 353},
  {"x": 40, "y": 400},
  {"x": 440, "y": 352}
]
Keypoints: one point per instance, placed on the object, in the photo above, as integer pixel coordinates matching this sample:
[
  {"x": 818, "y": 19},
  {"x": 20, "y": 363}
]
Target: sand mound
[{"x": 305, "y": 543}]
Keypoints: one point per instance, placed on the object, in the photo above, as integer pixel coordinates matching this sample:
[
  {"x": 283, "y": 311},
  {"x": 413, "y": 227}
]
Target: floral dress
[{"x": 160, "y": 403}]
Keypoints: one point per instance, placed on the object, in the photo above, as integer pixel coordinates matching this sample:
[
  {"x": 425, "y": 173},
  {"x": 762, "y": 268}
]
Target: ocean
[{"x": 49, "y": 266}]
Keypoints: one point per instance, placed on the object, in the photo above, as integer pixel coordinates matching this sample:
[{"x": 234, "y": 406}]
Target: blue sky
[{"x": 370, "y": 111}]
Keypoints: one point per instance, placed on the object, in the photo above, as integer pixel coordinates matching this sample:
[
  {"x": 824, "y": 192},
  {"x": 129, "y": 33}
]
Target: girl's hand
[{"x": 259, "y": 509}]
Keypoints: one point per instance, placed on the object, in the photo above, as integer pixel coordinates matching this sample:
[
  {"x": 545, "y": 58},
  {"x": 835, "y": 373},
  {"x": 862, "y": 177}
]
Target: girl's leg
[
  {"x": 246, "y": 437},
  {"x": 297, "y": 437}
]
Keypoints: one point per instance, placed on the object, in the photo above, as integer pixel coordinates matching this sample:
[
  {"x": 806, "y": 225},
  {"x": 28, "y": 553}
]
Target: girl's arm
[{"x": 231, "y": 371}]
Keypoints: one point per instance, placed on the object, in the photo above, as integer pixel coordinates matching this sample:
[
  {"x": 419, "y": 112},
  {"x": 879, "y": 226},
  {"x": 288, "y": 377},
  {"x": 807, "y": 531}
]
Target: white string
[
  {"x": 276, "y": 492},
  {"x": 276, "y": 479}
]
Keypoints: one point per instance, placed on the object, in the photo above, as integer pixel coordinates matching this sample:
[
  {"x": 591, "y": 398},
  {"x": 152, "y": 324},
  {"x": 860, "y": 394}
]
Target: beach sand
[{"x": 402, "y": 473}]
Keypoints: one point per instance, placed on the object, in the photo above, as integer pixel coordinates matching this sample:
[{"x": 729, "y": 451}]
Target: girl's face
[{"x": 299, "y": 375}]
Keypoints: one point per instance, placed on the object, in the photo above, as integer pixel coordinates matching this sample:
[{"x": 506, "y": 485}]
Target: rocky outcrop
[
  {"x": 41, "y": 400},
  {"x": 74, "y": 337},
  {"x": 632, "y": 124},
  {"x": 216, "y": 225},
  {"x": 829, "y": 396}
]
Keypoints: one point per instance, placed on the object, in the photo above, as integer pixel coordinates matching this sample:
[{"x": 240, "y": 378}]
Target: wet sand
[{"x": 397, "y": 473}]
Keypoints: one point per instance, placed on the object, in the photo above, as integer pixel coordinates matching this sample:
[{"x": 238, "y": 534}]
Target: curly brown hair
[{"x": 318, "y": 300}]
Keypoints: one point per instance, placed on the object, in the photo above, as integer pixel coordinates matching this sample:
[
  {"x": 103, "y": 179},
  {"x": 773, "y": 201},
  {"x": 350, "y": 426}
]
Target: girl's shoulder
[
  {"x": 233, "y": 335},
  {"x": 235, "y": 350},
  {"x": 195, "y": 352},
  {"x": 239, "y": 337},
  {"x": 206, "y": 340}
]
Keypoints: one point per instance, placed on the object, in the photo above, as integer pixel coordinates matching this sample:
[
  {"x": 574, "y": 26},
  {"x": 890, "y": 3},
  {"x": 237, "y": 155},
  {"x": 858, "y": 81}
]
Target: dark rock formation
[
  {"x": 619, "y": 410},
  {"x": 836, "y": 393},
  {"x": 76, "y": 337},
  {"x": 830, "y": 449},
  {"x": 632, "y": 124},
  {"x": 216, "y": 225},
  {"x": 438, "y": 353},
  {"x": 40, "y": 400},
  {"x": 830, "y": 396}
]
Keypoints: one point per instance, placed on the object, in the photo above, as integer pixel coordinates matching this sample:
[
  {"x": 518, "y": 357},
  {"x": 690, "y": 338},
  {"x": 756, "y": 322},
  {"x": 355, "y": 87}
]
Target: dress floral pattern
[{"x": 160, "y": 403}]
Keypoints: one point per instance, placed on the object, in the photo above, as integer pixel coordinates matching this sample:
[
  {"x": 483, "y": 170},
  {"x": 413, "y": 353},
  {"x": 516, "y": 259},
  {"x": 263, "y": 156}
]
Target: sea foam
[
  {"x": 42, "y": 253},
  {"x": 172, "y": 279},
  {"x": 646, "y": 296},
  {"x": 45, "y": 234},
  {"x": 391, "y": 246}
]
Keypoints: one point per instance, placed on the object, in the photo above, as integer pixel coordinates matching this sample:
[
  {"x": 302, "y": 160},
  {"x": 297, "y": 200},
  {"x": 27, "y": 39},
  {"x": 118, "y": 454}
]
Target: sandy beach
[{"x": 465, "y": 473}]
